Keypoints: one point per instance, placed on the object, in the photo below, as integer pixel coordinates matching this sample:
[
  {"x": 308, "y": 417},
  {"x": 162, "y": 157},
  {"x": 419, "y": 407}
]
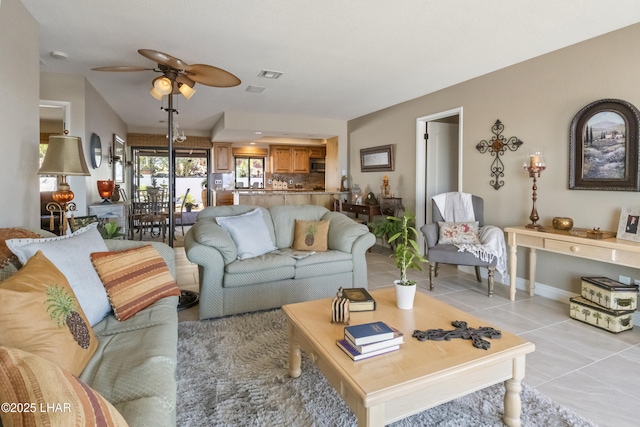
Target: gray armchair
[{"x": 438, "y": 253}]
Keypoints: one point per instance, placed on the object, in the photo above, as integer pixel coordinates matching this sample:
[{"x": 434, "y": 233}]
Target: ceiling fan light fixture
[
  {"x": 157, "y": 95},
  {"x": 186, "y": 90},
  {"x": 163, "y": 85}
]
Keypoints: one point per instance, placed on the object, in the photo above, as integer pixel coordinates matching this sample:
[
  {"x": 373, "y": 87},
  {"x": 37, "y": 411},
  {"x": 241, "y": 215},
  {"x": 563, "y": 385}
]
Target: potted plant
[
  {"x": 110, "y": 230},
  {"x": 154, "y": 189},
  {"x": 407, "y": 256},
  {"x": 189, "y": 202}
]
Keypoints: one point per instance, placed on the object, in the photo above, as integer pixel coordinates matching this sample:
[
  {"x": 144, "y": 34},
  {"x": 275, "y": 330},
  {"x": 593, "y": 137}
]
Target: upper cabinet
[
  {"x": 300, "y": 157},
  {"x": 280, "y": 159},
  {"x": 317, "y": 152},
  {"x": 291, "y": 159},
  {"x": 222, "y": 158}
]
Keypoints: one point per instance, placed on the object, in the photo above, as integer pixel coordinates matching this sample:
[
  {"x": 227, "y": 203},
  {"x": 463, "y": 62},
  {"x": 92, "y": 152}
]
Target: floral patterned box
[
  {"x": 589, "y": 312},
  {"x": 610, "y": 293}
]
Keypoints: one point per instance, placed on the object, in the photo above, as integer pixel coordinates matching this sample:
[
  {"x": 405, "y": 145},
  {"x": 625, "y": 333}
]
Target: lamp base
[
  {"x": 106, "y": 201},
  {"x": 536, "y": 227}
]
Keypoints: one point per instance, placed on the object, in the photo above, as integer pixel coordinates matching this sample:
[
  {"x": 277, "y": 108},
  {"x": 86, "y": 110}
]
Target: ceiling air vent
[
  {"x": 269, "y": 74},
  {"x": 255, "y": 89}
]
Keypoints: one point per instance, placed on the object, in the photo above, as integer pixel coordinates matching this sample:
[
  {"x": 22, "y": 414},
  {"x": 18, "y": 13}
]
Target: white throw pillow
[
  {"x": 249, "y": 232},
  {"x": 70, "y": 254}
]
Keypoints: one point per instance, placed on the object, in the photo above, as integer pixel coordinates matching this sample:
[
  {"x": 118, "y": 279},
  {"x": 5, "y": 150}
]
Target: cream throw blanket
[{"x": 458, "y": 207}]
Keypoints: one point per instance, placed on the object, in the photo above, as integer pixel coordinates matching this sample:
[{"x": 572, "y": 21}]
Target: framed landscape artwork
[
  {"x": 376, "y": 159},
  {"x": 603, "y": 143}
]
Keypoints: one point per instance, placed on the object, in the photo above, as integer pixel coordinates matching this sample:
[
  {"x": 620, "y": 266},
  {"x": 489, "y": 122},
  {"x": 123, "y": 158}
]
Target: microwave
[{"x": 316, "y": 165}]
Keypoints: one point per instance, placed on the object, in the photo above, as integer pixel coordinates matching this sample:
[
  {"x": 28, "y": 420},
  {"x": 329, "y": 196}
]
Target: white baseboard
[{"x": 541, "y": 289}]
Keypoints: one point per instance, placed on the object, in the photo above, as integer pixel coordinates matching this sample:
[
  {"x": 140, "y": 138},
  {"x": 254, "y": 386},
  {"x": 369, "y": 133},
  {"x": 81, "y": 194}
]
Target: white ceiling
[{"x": 340, "y": 59}]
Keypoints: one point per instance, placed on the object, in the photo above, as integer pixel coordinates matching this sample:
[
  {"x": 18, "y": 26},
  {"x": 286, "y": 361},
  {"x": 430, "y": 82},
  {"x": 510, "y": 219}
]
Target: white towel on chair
[
  {"x": 455, "y": 207},
  {"x": 492, "y": 245}
]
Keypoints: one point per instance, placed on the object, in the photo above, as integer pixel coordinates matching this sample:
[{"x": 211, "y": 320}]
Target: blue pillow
[{"x": 249, "y": 232}]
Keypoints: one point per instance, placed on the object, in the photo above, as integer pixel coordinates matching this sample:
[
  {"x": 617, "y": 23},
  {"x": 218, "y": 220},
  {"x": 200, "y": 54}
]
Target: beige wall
[
  {"x": 536, "y": 101},
  {"x": 19, "y": 134}
]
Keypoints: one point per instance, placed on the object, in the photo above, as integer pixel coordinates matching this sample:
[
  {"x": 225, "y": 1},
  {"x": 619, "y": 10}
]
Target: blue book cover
[
  {"x": 368, "y": 333},
  {"x": 346, "y": 346}
]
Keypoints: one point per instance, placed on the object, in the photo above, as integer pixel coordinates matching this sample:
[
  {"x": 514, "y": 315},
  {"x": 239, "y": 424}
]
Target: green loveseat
[{"x": 231, "y": 286}]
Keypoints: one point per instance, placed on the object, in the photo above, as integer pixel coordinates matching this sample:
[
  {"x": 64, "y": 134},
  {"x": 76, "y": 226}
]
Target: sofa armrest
[
  {"x": 211, "y": 273},
  {"x": 430, "y": 232},
  {"x": 163, "y": 249},
  {"x": 343, "y": 231},
  {"x": 207, "y": 232}
]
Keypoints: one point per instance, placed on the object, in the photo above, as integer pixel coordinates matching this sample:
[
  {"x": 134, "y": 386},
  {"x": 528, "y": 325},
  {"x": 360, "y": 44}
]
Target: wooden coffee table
[{"x": 421, "y": 375}]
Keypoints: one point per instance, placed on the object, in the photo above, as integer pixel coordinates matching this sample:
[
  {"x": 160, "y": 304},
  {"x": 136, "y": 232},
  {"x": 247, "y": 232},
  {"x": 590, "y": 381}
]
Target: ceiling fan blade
[
  {"x": 122, "y": 68},
  {"x": 163, "y": 58},
  {"x": 212, "y": 76}
]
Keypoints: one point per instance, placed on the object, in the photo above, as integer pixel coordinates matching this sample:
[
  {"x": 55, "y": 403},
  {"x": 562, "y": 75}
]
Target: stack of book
[{"x": 370, "y": 339}]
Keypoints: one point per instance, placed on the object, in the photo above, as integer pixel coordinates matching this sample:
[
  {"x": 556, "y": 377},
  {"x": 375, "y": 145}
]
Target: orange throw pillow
[
  {"x": 40, "y": 314},
  {"x": 134, "y": 279},
  {"x": 311, "y": 235},
  {"x": 43, "y": 394}
]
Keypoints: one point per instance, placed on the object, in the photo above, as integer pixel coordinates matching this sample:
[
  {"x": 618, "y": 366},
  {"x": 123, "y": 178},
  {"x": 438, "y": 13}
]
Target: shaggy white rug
[{"x": 233, "y": 372}]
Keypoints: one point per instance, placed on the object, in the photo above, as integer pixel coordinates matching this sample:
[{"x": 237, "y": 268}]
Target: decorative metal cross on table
[
  {"x": 462, "y": 330},
  {"x": 497, "y": 147}
]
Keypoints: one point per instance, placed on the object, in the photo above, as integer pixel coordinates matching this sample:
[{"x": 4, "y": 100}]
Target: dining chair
[{"x": 178, "y": 215}]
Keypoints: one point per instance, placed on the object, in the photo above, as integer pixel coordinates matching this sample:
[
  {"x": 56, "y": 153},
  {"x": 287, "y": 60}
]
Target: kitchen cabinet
[
  {"x": 222, "y": 158},
  {"x": 291, "y": 159},
  {"x": 280, "y": 159},
  {"x": 300, "y": 156},
  {"x": 317, "y": 152}
]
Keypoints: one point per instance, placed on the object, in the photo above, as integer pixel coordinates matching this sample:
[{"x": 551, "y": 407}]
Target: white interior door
[
  {"x": 438, "y": 160},
  {"x": 442, "y": 161}
]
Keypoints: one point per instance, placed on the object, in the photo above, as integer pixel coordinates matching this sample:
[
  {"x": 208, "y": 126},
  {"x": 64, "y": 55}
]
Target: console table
[
  {"x": 612, "y": 251},
  {"x": 369, "y": 210},
  {"x": 116, "y": 210}
]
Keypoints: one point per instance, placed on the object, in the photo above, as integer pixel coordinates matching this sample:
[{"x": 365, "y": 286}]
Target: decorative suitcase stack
[{"x": 605, "y": 303}]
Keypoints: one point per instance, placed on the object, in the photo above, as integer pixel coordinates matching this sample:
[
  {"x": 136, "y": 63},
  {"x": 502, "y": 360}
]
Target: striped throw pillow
[
  {"x": 134, "y": 279},
  {"x": 37, "y": 392}
]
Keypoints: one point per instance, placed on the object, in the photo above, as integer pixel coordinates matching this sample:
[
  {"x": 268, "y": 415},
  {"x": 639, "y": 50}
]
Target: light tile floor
[{"x": 593, "y": 372}]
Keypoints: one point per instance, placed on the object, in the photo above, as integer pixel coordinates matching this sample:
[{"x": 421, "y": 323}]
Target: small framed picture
[{"x": 628, "y": 226}]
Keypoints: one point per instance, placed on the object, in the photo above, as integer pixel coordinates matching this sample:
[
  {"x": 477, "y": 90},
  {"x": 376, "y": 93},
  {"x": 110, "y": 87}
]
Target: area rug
[{"x": 233, "y": 372}]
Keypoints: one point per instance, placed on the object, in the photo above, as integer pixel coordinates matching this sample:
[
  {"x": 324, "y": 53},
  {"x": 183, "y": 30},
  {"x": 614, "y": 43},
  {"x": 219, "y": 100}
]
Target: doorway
[{"x": 438, "y": 160}]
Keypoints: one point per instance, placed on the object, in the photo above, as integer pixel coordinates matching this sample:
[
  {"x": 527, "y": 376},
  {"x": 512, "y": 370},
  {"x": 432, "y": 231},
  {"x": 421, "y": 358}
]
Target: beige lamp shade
[{"x": 64, "y": 157}]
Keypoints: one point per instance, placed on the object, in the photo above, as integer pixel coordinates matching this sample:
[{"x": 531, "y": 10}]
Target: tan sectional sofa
[{"x": 133, "y": 367}]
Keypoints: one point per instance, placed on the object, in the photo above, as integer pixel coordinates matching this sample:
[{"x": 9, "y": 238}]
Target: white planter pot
[{"x": 405, "y": 295}]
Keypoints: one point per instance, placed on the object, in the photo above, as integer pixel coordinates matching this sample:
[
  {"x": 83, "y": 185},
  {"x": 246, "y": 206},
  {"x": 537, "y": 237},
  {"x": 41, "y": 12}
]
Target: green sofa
[
  {"x": 231, "y": 286},
  {"x": 134, "y": 365}
]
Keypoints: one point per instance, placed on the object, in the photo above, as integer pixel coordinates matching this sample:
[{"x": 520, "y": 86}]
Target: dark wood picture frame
[
  {"x": 377, "y": 159},
  {"x": 603, "y": 147}
]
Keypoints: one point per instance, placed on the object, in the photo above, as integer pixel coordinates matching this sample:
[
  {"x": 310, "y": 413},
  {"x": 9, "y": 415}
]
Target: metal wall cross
[
  {"x": 462, "y": 330},
  {"x": 497, "y": 147}
]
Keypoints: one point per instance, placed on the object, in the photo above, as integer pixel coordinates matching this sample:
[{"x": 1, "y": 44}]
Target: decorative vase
[
  {"x": 405, "y": 295},
  {"x": 105, "y": 190}
]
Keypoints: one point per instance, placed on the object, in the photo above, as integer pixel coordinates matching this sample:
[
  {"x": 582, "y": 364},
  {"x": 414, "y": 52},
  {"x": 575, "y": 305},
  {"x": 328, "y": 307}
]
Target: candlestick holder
[{"x": 534, "y": 164}]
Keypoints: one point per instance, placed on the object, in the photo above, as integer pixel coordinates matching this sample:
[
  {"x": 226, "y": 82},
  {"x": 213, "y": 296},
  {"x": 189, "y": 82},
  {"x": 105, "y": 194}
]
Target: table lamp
[{"x": 64, "y": 157}]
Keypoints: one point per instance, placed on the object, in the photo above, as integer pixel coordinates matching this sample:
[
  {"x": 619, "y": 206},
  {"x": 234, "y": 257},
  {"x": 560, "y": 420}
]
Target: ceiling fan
[{"x": 177, "y": 75}]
